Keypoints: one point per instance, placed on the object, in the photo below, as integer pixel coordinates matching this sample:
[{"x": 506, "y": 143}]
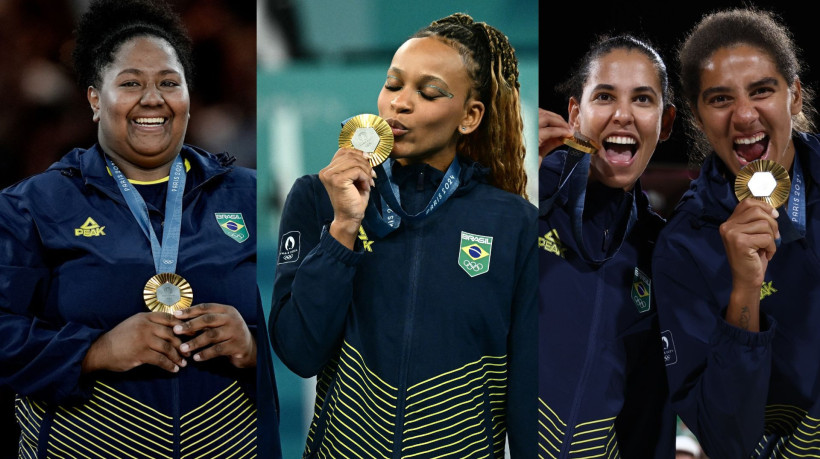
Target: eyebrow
[
  {"x": 140, "y": 72},
  {"x": 766, "y": 81},
  {"x": 639, "y": 89},
  {"x": 424, "y": 78}
]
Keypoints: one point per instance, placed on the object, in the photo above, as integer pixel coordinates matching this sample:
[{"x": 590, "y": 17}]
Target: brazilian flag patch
[
  {"x": 641, "y": 285},
  {"x": 233, "y": 225},
  {"x": 474, "y": 253}
]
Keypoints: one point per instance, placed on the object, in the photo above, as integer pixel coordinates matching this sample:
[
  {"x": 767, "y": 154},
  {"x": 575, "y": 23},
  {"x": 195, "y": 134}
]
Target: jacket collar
[{"x": 91, "y": 167}]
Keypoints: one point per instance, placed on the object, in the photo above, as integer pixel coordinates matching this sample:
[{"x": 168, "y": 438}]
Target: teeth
[
  {"x": 149, "y": 120},
  {"x": 750, "y": 140},
  {"x": 621, "y": 140}
]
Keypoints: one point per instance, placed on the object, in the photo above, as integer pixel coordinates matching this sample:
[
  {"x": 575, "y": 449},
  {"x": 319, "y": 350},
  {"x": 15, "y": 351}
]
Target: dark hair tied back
[{"x": 109, "y": 23}]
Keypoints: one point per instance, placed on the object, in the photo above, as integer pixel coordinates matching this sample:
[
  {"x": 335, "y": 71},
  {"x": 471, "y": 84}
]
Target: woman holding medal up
[
  {"x": 101, "y": 255},
  {"x": 737, "y": 281},
  {"x": 420, "y": 327},
  {"x": 602, "y": 387}
]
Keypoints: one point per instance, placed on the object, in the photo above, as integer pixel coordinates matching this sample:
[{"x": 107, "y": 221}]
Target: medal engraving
[
  {"x": 370, "y": 134},
  {"x": 765, "y": 181},
  {"x": 167, "y": 292}
]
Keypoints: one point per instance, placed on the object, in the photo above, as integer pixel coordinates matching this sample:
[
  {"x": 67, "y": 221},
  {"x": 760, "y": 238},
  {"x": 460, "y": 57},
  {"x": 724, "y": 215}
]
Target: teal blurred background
[{"x": 319, "y": 62}]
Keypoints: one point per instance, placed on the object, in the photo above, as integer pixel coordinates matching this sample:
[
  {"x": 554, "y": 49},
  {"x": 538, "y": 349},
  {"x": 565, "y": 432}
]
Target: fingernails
[
  {"x": 775, "y": 213},
  {"x": 372, "y": 183},
  {"x": 184, "y": 347},
  {"x": 366, "y": 154},
  {"x": 177, "y": 328},
  {"x": 183, "y": 363},
  {"x": 373, "y": 173},
  {"x": 178, "y": 313},
  {"x": 176, "y": 368},
  {"x": 197, "y": 357}
]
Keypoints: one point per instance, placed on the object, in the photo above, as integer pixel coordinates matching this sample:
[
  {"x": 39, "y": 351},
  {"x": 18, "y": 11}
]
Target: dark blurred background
[
  {"x": 44, "y": 113},
  {"x": 567, "y": 29}
]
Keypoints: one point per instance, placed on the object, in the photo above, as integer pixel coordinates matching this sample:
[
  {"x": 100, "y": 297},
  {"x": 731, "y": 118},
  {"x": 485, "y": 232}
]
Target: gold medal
[
  {"x": 370, "y": 134},
  {"x": 167, "y": 292},
  {"x": 765, "y": 181},
  {"x": 582, "y": 143}
]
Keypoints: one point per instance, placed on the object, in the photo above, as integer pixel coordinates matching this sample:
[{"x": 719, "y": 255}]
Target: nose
[
  {"x": 745, "y": 112},
  {"x": 623, "y": 113},
  {"x": 401, "y": 102},
  {"x": 152, "y": 96}
]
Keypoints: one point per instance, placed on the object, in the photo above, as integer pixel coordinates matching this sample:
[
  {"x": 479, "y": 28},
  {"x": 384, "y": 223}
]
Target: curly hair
[
  {"x": 109, "y": 23},
  {"x": 723, "y": 29},
  {"x": 498, "y": 143}
]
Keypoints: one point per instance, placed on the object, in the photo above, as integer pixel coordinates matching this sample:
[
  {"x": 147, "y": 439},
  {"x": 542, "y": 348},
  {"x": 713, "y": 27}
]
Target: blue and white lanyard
[
  {"x": 392, "y": 213},
  {"x": 165, "y": 256},
  {"x": 576, "y": 174}
]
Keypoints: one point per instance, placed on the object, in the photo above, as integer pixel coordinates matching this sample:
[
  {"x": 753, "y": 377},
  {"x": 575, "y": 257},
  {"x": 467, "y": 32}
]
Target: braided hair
[
  {"x": 109, "y": 23},
  {"x": 498, "y": 143}
]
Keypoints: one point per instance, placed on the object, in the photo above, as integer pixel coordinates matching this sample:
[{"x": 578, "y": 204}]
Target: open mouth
[
  {"x": 153, "y": 121},
  {"x": 620, "y": 149},
  {"x": 751, "y": 148}
]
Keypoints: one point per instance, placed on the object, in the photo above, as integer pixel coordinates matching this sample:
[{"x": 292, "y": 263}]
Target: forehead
[
  {"x": 145, "y": 52},
  {"x": 430, "y": 56},
  {"x": 624, "y": 68},
  {"x": 737, "y": 63}
]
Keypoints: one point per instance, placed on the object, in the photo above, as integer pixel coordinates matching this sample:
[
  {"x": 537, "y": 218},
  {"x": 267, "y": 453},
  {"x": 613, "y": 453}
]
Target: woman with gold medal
[
  {"x": 736, "y": 267},
  {"x": 409, "y": 287},
  {"x": 128, "y": 299}
]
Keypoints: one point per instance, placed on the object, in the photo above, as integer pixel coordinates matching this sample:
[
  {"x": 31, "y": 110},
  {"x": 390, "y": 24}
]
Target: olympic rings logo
[{"x": 473, "y": 265}]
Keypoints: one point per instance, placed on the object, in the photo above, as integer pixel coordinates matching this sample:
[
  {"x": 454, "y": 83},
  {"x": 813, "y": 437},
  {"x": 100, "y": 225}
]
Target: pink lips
[{"x": 397, "y": 128}]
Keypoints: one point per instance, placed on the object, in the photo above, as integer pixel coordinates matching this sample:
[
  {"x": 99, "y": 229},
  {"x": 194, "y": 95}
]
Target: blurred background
[
  {"x": 45, "y": 114},
  {"x": 320, "y": 62}
]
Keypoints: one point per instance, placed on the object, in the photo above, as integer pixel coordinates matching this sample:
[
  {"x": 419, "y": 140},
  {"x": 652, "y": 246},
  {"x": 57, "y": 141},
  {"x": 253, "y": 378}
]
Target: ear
[
  {"x": 574, "y": 110},
  {"x": 474, "y": 112},
  {"x": 797, "y": 97},
  {"x": 93, "y": 96},
  {"x": 667, "y": 121}
]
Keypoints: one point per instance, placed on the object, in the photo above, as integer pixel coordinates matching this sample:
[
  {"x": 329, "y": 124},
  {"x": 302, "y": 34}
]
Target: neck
[
  {"x": 439, "y": 161},
  {"x": 138, "y": 173}
]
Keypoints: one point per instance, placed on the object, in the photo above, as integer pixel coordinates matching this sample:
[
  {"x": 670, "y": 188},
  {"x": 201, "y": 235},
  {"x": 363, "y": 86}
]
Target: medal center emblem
[
  {"x": 168, "y": 294},
  {"x": 762, "y": 184},
  {"x": 365, "y": 139}
]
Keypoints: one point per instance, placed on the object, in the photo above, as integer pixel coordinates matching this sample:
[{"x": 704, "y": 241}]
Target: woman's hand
[
  {"x": 552, "y": 130},
  {"x": 749, "y": 238},
  {"x": 220, "y": 330},
  {"x": 146, "y": 337},
  {"x": 347, "y": 179}
]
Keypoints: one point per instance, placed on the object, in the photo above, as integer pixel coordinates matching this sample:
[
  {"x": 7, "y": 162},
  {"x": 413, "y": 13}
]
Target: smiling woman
[
  {"x": 102, "y": 254},
  {"x": 737, "y": 281},
  {"x": 600, "y": 365},
  {"x": 142, "y": 106}
]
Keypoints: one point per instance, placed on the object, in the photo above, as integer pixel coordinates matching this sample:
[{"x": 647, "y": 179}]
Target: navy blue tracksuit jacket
[
  {"x": 419, "y": 351},
  {"x": 73, "y": 264},
  {"x": 602, "y": 387},
  {"x": 743, "y": 394}
]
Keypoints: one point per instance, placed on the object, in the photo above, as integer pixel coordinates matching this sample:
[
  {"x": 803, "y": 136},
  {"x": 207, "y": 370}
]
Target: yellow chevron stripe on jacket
[
  {"x": 112, "y": 424},
  {"x": 450, "y": 415},
  {"x": 590, "y": 439}
]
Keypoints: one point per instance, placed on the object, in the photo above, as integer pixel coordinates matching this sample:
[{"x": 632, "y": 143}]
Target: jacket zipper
[
  {"x": 407, "y": 341},
  {"x": 588, "y": 360},
  {"x": 176, "y": 408}
]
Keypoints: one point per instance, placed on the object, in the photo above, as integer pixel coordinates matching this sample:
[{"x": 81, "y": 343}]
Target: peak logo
[{"x": 89, "y": 229}]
